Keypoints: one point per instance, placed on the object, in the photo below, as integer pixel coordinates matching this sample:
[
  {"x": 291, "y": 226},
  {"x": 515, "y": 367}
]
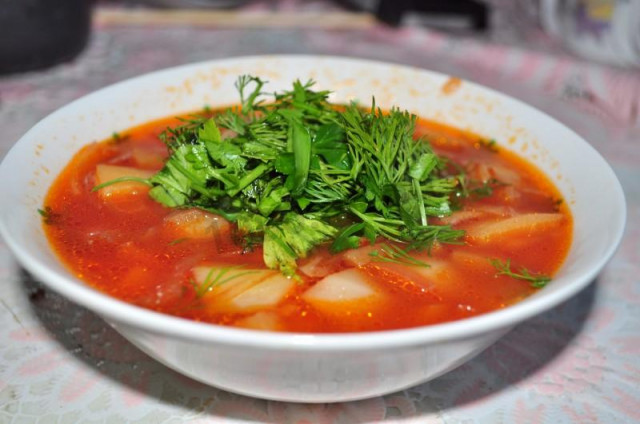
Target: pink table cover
[{"x": 577, "y": 363}]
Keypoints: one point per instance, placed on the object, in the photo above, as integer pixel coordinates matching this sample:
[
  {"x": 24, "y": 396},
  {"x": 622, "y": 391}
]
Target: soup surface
[{"x": 190, "y": 263}]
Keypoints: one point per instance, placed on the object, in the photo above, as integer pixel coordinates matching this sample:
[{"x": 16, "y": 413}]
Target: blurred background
[
  {"x": 582, "y": 52},
  {"x": 577, "y": 60},
  {"x": 40, "y": 33}
]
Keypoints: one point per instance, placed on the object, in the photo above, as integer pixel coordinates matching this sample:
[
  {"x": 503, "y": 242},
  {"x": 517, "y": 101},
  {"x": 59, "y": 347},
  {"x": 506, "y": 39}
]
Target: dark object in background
[
  {"x": 186, "y": 4},
  {"x": 443, "y": 14},
  {"x": 36, "y": 34}
]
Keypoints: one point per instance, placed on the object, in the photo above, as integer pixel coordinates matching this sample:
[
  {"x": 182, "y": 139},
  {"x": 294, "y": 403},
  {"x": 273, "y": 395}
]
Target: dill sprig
[
  {"x": 504, "y": 268},
  {"x": 395, "y": 254},
  {"x": 217, "y": 277}
]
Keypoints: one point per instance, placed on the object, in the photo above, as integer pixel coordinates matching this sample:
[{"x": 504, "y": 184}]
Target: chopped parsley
[{"x": 286, "y": 169}]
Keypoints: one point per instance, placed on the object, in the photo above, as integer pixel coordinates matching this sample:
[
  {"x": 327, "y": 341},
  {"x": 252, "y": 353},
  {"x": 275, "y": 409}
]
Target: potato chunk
[
  {"x": 266, "y": 293},
  {"x": 105, "y": 173},
  {"x": 319, "y": 264},
  {"x": 149, "y": 156},
  {"x": 431, "y": 282},
  {"x": 518, "y": 226},
  {"x": 360, "y": 256},
  {"x": 269, "y": 321},
  {"x": 468, "y": 216},
  {"x": 343, "y": 286},
  {"x": 239, "y": 277},
  {"x": 484, "y": 173},
  {"x": 243, "y": 290},
  {"x": 196, "y": 224}
]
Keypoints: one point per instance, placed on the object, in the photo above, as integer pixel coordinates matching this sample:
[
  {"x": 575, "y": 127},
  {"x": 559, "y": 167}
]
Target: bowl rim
[{"x": 118, "y": 312}]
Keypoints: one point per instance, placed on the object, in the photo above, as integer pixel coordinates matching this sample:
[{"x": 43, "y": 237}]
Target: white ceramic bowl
[{"x": 307, "y": 367}]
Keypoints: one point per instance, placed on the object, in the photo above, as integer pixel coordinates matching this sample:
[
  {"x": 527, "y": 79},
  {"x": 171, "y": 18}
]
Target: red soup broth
[{"x": 130, "y": 247}]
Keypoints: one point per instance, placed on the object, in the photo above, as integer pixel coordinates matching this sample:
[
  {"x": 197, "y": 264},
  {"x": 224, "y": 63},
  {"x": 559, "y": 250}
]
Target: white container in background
[{"x": 603, "y": 30}]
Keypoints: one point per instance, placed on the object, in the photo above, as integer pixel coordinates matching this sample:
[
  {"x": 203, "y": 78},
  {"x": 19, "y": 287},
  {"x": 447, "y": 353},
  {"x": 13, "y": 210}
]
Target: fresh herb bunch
[{"x": 298, "y": 171}]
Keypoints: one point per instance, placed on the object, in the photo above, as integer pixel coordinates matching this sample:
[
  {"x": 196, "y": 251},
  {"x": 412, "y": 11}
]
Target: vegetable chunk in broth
[{"x": 301, "y": 216}]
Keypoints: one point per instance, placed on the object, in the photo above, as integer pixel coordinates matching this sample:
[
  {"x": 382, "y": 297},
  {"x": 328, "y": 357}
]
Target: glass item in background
[
  {"x": 602, "y": 30},
  {"x": 41, "y": 33},
  {"x": 607, "y": 31}
]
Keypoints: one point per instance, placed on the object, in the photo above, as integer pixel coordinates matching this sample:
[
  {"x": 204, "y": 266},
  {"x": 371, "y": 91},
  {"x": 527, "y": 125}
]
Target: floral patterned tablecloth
[{"x": 577, "y": 363}]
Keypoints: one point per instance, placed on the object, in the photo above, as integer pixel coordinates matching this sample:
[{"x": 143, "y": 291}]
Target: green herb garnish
[
  {"x": 48, "y": 215},
  {"x": 116, "y": 137},
  {"x": 490, "y": 145},
  {"x": 537, "y": 281},
  {"x": 472, "y": 188},
  {"x": 557, "y": 204},
  {"x": 178, "y": 241},
  {"x": 395, "y": 254},
  {"x": 287, "y": 169},
  {"x": 485, "y": 188},
  {"x": 121, "y": 180},
  {"x": 217, "y": 277}
]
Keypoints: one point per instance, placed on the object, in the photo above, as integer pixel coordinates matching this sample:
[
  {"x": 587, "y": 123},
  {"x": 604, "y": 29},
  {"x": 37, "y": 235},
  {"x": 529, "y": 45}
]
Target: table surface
[{"x": 578, "y": 362}]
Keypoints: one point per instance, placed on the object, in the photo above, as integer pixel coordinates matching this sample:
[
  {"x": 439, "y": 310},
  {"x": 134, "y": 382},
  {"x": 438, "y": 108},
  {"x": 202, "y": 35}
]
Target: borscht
[{"x": 289, "y": 213}]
